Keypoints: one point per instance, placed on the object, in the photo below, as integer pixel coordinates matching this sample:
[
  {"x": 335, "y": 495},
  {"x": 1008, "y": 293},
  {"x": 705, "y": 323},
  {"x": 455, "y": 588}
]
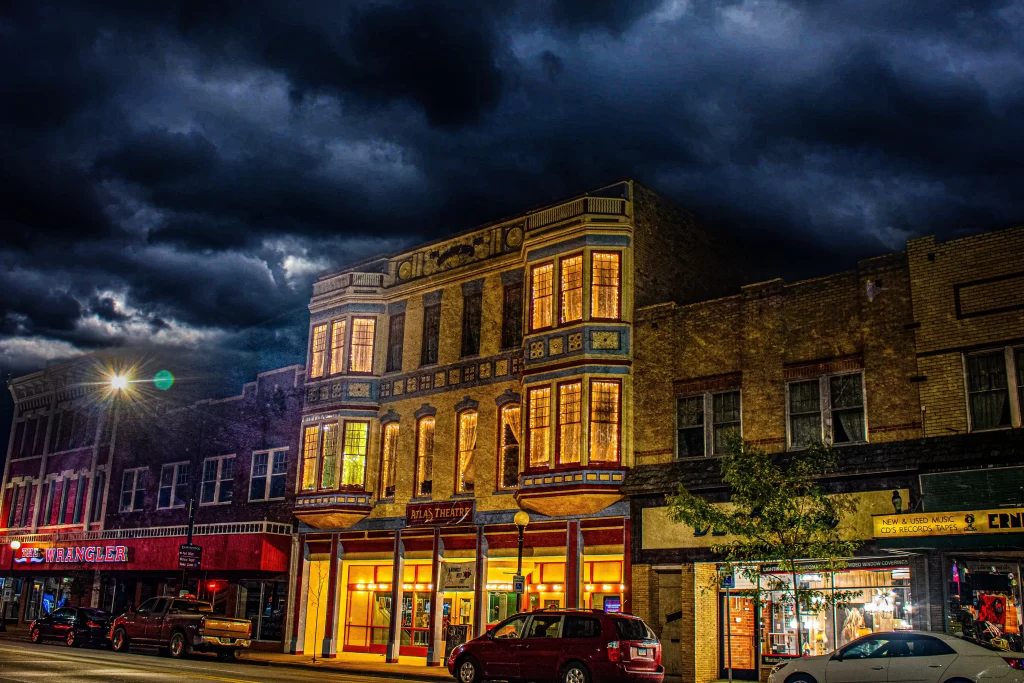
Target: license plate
[{"x": 641, "y": 652}]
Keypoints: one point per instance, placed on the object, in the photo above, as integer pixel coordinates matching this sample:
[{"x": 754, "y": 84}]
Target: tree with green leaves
[{"x": 778, "y": 514}]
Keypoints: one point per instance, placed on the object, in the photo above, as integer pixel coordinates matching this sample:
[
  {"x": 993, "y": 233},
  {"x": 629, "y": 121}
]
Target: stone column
[
  {"x": 330, "y": 642},
  {"x": 479, "y": 593},
  {"x": 435, "y": 635},
  {"x": 397, "y": 576}
]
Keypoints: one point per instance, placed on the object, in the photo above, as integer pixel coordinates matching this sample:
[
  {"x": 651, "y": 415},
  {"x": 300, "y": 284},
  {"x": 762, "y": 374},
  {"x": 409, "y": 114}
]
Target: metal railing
[
  {"x": 598, "y": 205},
  {"x": 348, "y": 280},
  {"x": 273, "y": 528}
]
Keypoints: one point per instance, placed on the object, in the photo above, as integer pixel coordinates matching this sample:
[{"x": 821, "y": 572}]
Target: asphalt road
[{"x": 29, "y": 663}]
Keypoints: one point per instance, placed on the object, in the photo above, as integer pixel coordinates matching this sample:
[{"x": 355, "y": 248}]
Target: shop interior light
[
  {"x": 419, "y": 586},
  {"x": 605, "y": 587},
  {"x": 371, "y": 587},
  {"x": 557, "y": 589},
  {"x": 360, "y": 586},
  {"x": 622, "y": 586},
  {"x": 384, "y": 587},
  {"x": 589, "y": 588},
  {"x": 407, "y": 586},
  {"x": 490, "y": 586},
  {"x": 430, "y": 586},
  {"x": 541, "y": 587}
]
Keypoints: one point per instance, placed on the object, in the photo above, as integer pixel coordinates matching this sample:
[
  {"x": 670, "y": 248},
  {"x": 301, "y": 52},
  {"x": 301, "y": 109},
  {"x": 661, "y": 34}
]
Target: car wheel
[
  {"x": 575, "y": 672},
  {"x": 467, "y": 670},
  {"x": 119, "y": 640},
  {"x": 227, "y": 655},
  {"x": 71, "y": 639},
  {"x": 801, "y": 678},
  {"x": 35, "y": 636},
  {"x": 179, "y": 646}
]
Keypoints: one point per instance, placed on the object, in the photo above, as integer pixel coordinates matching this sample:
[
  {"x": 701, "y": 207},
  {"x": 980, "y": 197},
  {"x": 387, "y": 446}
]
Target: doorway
[{"x": 737, "y": 638}]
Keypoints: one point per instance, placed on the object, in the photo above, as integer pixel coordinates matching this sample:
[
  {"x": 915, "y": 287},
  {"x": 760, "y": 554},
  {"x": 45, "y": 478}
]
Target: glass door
[
  {"x": 737, "y": 638},
  {"x": 263, "y": 603},
  {"x": 415, "y": 623}
]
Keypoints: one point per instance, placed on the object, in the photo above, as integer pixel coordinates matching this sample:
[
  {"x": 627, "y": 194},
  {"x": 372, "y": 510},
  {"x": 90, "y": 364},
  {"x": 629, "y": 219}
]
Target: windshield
[
  {"x": 193, "y": 606},
  {"x": 632, "y": 629}
]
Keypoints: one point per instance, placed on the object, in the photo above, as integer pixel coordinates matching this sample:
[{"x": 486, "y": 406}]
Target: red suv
[{"x": 572, "y": 646}]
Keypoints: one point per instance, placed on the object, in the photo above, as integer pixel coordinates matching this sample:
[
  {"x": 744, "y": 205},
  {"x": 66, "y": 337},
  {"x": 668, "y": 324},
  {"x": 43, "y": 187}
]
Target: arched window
[
  {"x": 465, "y": 472},
  {"x": 508, "y": 447},
  {"x": 388, "y": 456},
  {"x": 424, "y": 456}
]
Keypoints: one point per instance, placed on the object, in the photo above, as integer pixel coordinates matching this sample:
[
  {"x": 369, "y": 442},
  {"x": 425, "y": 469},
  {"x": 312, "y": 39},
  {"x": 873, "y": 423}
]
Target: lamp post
[
  {"x": 3, "y": 605},
  {"x": 521, "y": 520}
]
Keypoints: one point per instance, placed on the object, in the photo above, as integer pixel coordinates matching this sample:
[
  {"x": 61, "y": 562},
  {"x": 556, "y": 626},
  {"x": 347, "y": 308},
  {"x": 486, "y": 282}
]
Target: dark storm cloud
[{"x": 175, "y": 174}]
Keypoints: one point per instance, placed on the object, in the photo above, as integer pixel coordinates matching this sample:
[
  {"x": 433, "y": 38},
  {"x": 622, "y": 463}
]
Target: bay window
[
  {"x": 604, "y": 420},
  {"x": 571, "y": 308},
  {"x": 424, "y": 456},
  {"x": 541, "y": 295},
  {"x": 337, "y": 346},
  {"x": 570, "y": 423},
  {"x": 354, "y": 444},
  {"x": 538, "y": 445},
  {"x": 361, "y": 356},
  {"x": 466, "y": 466},
  {"x": 310, "y": 453},
  {"x": 319, "y": 347},
  {"x": 605, "y": 276},
  {"x": 329, "y": 456}
]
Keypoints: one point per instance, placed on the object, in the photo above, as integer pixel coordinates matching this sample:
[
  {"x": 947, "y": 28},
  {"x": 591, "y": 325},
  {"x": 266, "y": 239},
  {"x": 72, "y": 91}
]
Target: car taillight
[
  {"x": 93, "y": 624},
  {"x": 614, "y": 654},
  {"x": 1015, "y": 663},
  {"x": 657, "y": 654}
]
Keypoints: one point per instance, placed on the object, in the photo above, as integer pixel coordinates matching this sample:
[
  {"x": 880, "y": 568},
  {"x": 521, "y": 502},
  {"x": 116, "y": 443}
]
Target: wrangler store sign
[
  {"x": 87, "y": 554},
  {"x": 962, "y": 523},
  {"x": 439, "y": 514}
]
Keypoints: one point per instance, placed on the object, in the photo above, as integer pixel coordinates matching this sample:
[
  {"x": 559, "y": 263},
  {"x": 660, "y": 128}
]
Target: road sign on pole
[{"x": 518, "y": 584}]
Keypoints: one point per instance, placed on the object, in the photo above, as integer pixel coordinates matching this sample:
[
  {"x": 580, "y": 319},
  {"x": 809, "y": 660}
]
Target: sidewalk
[{"x": 371, "y": 666}]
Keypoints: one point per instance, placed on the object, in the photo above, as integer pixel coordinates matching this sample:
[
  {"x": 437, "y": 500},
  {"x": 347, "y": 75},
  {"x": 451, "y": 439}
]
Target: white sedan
[{"x": 906, "y": 657}]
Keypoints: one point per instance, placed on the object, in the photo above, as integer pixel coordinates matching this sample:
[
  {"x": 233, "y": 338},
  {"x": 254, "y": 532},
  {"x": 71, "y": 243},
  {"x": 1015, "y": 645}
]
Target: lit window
[
  {"x": 218, "y": 480},
  {"x": 362, "y": 345},
  {"x": 173, "y": 487},
  {"x": 604, "y": 294},
  {"x": 310, "y": 453},
  {"x": 269, "y": 470},
  {"x": 540, "y": 421},
  {"x": 389, "y": 452},
  {"x": 570, "y": 425},
  {"x": 987, "y": 391},
  {"x": 572, "y": 289},
  {"x": 337, "y": 346},
  {"x": 604, "y": 421},
  {"x": 541, "y": 293},
  {"x": 424, "y": 456},
  {"x": 133, "y": 489},
  {"x": 329, "y": 457},
  {"x": 353, "y": 468},
  {"x": 466, "y": 472},
  {"x": 508, "y": 452},
  {"x": 316, "y": 363}
]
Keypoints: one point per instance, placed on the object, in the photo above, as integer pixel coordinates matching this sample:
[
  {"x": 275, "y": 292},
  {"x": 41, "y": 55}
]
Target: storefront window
[{"x": 263, "y": 603}]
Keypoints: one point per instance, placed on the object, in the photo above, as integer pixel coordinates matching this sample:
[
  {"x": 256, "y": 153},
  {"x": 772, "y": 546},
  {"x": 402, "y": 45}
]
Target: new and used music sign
[
  {"x": 962, "y": 523},
  {"x": 439, "y": 514}
]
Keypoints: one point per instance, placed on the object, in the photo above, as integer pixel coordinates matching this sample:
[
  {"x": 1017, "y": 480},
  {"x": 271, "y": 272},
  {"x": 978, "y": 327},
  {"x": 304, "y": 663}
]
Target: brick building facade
[{"x": 911, "y": 365}]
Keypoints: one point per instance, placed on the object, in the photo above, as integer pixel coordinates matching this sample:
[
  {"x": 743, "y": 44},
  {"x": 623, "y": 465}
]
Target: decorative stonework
[
  {"x": 425, "y": 382},
  {"x": 575, "y": 341},
  {"x": 556, "y": 346},
  {"x": 536, "y": 349},
  {"x": 500, "y": 368},
  {"x": 410, "y": 385},
  {"x": 439, "y": 378},
  {"x": 604, "y": 340},
  {"x": 359, "y": 390},
  {"x": 485, "y": 371},
  {"x": 469, "y": 373},
  {"x": 336, "y": 390},
  {"x": 399, "y": 388},
  {"x": 453, "y": 376}
]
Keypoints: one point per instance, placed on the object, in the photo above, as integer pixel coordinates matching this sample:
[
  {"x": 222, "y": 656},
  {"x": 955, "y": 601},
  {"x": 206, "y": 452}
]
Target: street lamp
[
  {"x": 3, "y": 604},
  {"x": 119, "y": 382},
  {"x": 521, "y": 520}
]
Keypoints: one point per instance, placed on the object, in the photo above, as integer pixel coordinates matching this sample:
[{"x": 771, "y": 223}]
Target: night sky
[{"x": 174, "y": 174}]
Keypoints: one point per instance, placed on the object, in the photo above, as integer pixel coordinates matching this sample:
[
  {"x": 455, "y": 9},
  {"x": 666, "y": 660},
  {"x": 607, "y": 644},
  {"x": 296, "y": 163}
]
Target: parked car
[
  {"x": 905, "y": 656},
  {"x": 74, "y": 625},
  {"x": 180, "y": 625},
  {"x": 571, "y": 646}
]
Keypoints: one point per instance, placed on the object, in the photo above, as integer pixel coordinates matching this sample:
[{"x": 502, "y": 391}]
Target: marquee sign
[
  {"x": 439, "y": 514},
  {"x": 962, "y": 523},
  {"x": 82, "y": 554}
]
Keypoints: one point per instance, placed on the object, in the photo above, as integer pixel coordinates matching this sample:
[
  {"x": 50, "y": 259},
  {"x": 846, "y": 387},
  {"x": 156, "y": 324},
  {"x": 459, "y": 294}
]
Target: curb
[{"x": 344, "y": 670}]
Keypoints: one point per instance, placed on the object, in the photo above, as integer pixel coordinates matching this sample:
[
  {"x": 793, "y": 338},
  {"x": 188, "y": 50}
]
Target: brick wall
[{"x": 705, "y": 607}]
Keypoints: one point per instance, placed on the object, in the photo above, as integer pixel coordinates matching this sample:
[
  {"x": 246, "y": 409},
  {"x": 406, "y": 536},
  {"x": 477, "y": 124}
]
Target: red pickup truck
[{"x": 180, "y": 625}]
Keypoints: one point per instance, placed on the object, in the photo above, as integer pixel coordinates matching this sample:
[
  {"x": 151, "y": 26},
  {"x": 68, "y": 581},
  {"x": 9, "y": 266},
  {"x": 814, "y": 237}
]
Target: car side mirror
[{"x": 837, "y": 657}]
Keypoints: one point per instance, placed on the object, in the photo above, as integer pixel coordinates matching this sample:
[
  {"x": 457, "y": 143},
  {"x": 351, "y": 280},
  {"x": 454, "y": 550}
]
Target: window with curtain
[
  {"x": 466, "y": 472},
  {"x": 396, "y": 338},
  {"x": 424, "y": 456},
  {"x": 472, "y": 308},
  {"x": 354, "y": 445},
  {"x": 512, "y": 316},
  {"x": 337, "y": 346},
  {"x": 604, "y": 292},
  {"x": 329, "y": 456},
  {"x": 987, "y": 391},
  {"x": 319, "y": 347},
  {"x": 571, "y": 308},
  {"x": 804, "y": 413},
  {"x": 539, "y": 403},
  {"x": 310, "y": 457},
  {"x": 361, "y": 358},
  {"x": 431, "y": 334},
  {"x": 388, "y": 456},
  {"x": 604, "y": 421},
  {"x": 541, "y": 295},
  {"x": 570, "y": 422},
  {"x": 846, "y": 400},
  {"x": 508, "y": 451},
  {"x": 725, "y": 419},
  {"x": 690, "y": 427}
]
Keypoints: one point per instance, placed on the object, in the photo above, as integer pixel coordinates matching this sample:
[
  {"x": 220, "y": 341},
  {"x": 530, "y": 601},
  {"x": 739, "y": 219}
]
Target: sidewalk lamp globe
[
  {"x": 15, "y": 545},
  {"x": 522, "y": 518}
]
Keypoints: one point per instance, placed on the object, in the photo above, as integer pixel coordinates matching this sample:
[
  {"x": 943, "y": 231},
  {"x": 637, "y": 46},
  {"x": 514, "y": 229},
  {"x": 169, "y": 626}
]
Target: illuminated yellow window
[
  {"x": 337, "y": 345},
  {"x": 604, "y": 421},
  {"x": 389, "y": 451},
  {"x": 540, "y": 421},
  {"x": 310, "y": 451},
  {"x": 316, "y": 363},
  {"x": 361, "y": 359},
  {"x": 570, "y": 426},
  {"x": 541, "y": 295},
  {"x": 604, "y": 294},
  {"x": 329, "y": 457},
  {"x": 353, "y": 466},
  {"x": 467, "y": 447},
  {"x": 508, "y": 453},
  {"x": 424, "y": 456},
  {"x": 572, "y": 289}
]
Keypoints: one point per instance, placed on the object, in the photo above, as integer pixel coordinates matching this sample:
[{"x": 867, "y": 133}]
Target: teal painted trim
[
  {"x": 578, "y": 243},
  {"x": 575, "y": 372}
]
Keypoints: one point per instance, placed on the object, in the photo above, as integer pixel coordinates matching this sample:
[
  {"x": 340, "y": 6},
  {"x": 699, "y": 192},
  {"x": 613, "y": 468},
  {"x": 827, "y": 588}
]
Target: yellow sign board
[{"x": 962, "y": 523}]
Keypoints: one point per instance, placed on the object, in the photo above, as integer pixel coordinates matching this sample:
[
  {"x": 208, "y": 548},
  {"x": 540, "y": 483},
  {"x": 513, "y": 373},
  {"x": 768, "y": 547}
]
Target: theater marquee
[
  {"x": 439, "y": 514},
  {"x": 960, "y": 523}
]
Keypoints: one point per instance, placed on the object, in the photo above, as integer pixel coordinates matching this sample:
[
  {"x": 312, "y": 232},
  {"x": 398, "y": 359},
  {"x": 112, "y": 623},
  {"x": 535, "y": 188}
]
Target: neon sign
[{"x": 82, "y": 554}]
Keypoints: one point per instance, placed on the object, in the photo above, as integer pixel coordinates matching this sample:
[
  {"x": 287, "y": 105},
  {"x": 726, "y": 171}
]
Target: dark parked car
[
  {"x": 571, "y": 646},
  {"x": 74, "y": 625}
]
